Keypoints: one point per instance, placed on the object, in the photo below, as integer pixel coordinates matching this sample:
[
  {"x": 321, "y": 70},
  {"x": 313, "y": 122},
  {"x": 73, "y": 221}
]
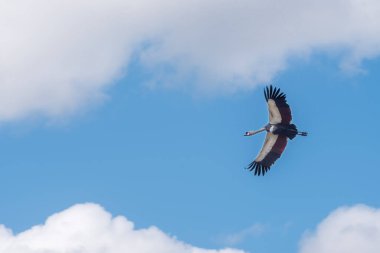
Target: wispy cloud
[
  {"x": 57, "y": 57},
  {"x": 247, "y": 233},
  {"x": 89, "y": 228},
  {"x": 347, "y": 229}
]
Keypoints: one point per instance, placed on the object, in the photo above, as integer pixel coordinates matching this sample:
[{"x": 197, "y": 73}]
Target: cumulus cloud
[
  {"x": 86, "y": 228},
  {"x": 59, "y": 56},
  {"x": 346, "y": 230}
]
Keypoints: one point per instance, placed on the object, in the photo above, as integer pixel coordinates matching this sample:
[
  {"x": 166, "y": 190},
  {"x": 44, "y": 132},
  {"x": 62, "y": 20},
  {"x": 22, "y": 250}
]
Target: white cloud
[
  {"x": 346, "y": 230},
  {"x": 59, "y": 56},
  {"x": 88, "y": 228},
  {"x": 252, "y": 231}
]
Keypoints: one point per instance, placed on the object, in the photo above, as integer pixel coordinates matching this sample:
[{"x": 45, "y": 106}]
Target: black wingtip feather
[
  {"x": 270, "y": 90},
  {"x": 267, "y": 93},
  {"x": 257, "y": 168},
  {"x": 274, "y": 93}
]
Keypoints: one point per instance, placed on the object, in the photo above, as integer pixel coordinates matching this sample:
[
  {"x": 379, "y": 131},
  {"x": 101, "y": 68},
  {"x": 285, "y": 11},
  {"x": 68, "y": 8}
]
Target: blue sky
[{"x": 158, "y": 139}]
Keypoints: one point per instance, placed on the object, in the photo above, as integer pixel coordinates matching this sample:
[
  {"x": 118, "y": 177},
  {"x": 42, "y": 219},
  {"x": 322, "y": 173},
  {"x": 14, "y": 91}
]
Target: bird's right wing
[{"x": 272, "y": 149}]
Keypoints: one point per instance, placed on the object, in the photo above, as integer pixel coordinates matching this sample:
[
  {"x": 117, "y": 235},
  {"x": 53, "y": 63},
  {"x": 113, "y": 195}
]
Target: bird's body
[
  {"x": 289, "y": 130},
  {"x": 279, "y": 130}
]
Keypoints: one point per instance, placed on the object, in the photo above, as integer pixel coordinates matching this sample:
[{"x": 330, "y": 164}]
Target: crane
[{"x": 279, "y": 130}]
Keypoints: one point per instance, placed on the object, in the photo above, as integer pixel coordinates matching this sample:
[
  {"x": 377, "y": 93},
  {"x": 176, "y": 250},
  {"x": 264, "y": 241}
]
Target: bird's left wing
[
  {"x": 279, "y": 110},
  {"x": 272, "y": 149}
]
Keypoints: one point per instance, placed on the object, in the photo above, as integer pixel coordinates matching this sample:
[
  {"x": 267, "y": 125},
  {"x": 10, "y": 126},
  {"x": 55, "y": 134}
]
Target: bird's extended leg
[{"x": 298, "y": 132}]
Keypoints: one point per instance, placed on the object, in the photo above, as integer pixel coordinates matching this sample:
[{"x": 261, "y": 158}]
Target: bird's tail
[{"x": 291, "y": 132}]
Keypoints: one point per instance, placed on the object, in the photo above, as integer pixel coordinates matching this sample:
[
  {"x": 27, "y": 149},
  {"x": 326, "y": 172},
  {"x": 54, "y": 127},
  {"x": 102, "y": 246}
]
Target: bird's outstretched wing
[
  {"x": 279, "y": 110},
  {"x": 272, "y": 149}
]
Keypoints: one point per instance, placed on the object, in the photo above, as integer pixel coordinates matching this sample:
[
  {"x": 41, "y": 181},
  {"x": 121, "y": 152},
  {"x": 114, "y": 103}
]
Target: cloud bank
[
  {"x": 86, "y": 228},
  {"x": 57, "y": 57},
  {"x": 346, "y": 230}
]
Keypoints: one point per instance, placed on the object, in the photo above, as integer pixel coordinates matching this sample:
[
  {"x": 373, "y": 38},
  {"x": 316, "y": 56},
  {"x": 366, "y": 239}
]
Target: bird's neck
[{"x": 250, "y": 133}]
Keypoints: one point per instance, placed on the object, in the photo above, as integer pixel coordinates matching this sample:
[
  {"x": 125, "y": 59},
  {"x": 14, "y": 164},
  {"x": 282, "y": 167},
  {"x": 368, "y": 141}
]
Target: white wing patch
[
  {"x": 270, "y": 140},
  {"x": 274, "y": 113}
]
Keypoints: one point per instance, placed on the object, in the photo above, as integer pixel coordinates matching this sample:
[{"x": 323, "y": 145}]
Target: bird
[{"x": 279, "y": 130}]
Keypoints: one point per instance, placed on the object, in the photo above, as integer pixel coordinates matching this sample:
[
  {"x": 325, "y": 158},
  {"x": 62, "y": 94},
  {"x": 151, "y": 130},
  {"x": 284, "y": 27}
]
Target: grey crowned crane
[{"x": 278, "y": 130}]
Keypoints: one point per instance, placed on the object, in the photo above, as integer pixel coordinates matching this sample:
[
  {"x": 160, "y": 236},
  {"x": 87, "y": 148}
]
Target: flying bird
[{"x": 279, "y": 130}]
